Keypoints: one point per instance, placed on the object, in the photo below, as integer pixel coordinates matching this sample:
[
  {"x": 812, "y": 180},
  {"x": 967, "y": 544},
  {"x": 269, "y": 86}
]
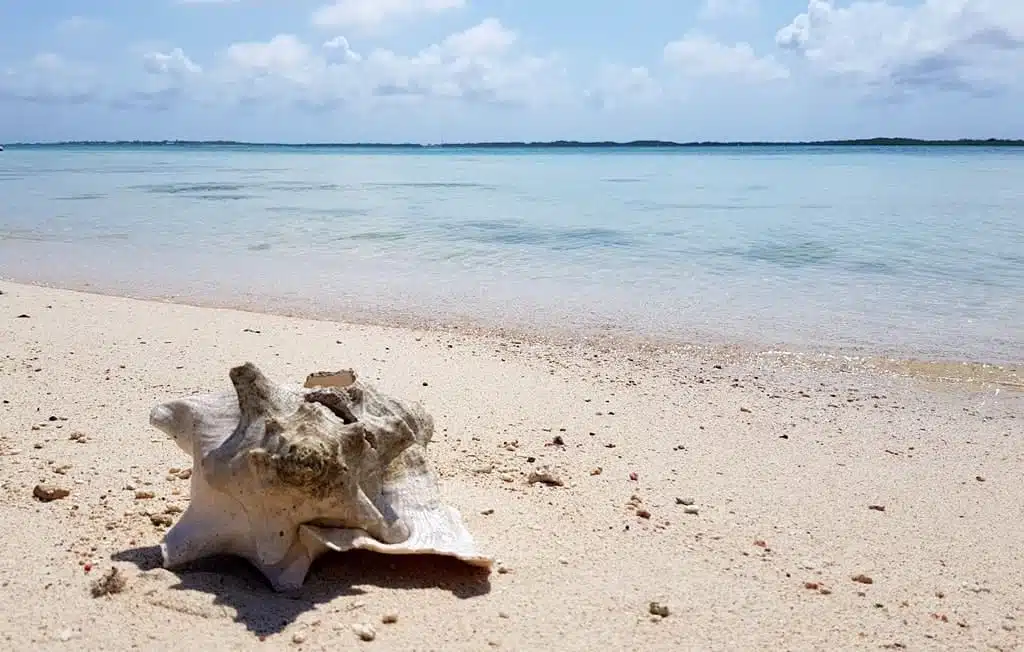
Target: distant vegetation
[{"x": 556, "y": 144}]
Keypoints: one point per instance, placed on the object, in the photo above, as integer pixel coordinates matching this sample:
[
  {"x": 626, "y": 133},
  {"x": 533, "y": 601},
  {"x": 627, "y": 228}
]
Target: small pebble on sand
[
  {"x": 364, "y": 631},
  {"x": 863, "y": 579},
  {"x": 49, "y": 492},
  {"x": 389, "y": 618},
  {"x": 658, "y": 609},
  {"x": 144, "y": 495},
  {"x": 544, "y": 475},
  {"x": 161, "y": 519},
  {"x": 113, "y": 581}
]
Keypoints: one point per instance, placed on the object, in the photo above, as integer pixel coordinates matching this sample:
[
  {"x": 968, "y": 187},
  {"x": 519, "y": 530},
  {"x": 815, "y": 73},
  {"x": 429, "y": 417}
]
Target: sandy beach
[{"x": 768, "y": 501}]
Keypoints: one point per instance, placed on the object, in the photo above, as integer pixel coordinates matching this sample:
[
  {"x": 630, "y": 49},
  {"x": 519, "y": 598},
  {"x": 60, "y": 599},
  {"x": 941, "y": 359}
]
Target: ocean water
[{"x": 913, "y": 252}]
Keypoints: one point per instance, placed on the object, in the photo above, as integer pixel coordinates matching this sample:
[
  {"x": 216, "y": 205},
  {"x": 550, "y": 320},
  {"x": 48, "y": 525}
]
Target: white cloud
[
  {"x": 49, "y": 78},
  {"x": 282, "y": 55},
  {"x": 618, "y": 86},
  {"x": 727, "y": 8},
  {"x": 369, "y": 14},
  {"x": 487, "y": 38},
  {"x": 696, "y": 55},
  {"x": 479, "y": 65},
  {"x": 974, "y": 46},
  {"x": 338, "y": 51},
  {"x": 174, "y": 63}
]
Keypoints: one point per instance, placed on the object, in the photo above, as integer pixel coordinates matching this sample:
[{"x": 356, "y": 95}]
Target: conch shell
[{"x": 283, "y": 474}]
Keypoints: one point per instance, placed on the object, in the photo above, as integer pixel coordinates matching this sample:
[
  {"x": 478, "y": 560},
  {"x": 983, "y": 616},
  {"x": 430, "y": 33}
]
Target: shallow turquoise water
[{"x": 909, "y": 251}]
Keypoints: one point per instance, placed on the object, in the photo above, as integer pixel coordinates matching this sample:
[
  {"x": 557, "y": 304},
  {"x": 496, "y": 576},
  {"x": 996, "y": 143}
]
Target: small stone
[
  {"x": 505, "y": 477},
  {"x": 544, "y": 475},
  {"x": 389, "y": 618},
  {"x": 364, "y": 631},
  {"x": 184, "y": 474},
  {"x": 658, "y": 609},
  {"x": 745, "y": 409},
  {"x": 685, "y": 501},
  {"x": 979, "y": 478},
  {"x": 558, "y": 441},
  {"x": 48, "y": 492},
  {"x": 643, "y": 513},
  {"x": 144, "y": 495},
  {"x": 113, "y": 581},
  {"x": 633, "y": 476},
  {"x": 161, "y": 520},
  {"x": 502, "y": 614},
  {"x": 23, "y": 316},
  {"x": 595, "y": 471},
  {"x": 863, "y": 579},
  {"x": 487, "y": 512},
  {"x": 173, "y": 509},
  {"x": 299, "y": 638},
  {"x": 691, "y": 510},
  {"x": 877, "y": 508},
  {"x": 62, "y": 469}
]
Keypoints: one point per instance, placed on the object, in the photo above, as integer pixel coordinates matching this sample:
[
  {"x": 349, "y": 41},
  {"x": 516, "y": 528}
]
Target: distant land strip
[{"x": 554, "y": 144}]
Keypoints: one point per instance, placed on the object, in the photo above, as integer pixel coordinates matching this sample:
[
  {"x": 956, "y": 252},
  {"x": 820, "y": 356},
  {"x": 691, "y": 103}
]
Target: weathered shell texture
[{"x": 282, "y": 474}]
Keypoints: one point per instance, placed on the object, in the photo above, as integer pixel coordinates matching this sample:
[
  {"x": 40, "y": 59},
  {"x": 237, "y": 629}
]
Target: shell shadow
[{"x": 237, "y": 585}]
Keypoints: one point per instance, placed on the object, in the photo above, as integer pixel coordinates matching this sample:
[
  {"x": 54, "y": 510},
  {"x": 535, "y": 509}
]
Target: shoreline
[{"x": 969, "y": 372}]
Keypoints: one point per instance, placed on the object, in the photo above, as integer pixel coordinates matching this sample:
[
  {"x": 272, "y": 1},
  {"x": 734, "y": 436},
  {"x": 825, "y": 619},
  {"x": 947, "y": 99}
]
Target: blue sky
[{"x": 457, "y": 70}]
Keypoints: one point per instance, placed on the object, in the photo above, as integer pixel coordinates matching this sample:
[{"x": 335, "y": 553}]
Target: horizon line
[{"x": 877, "y": 141}]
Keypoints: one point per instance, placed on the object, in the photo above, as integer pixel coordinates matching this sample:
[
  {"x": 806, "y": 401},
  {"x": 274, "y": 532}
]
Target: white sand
[{"x": 944, "y": 459}]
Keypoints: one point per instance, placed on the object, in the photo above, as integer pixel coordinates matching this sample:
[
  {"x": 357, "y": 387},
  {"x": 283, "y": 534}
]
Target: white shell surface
[{"x": 236, "y": 510}]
